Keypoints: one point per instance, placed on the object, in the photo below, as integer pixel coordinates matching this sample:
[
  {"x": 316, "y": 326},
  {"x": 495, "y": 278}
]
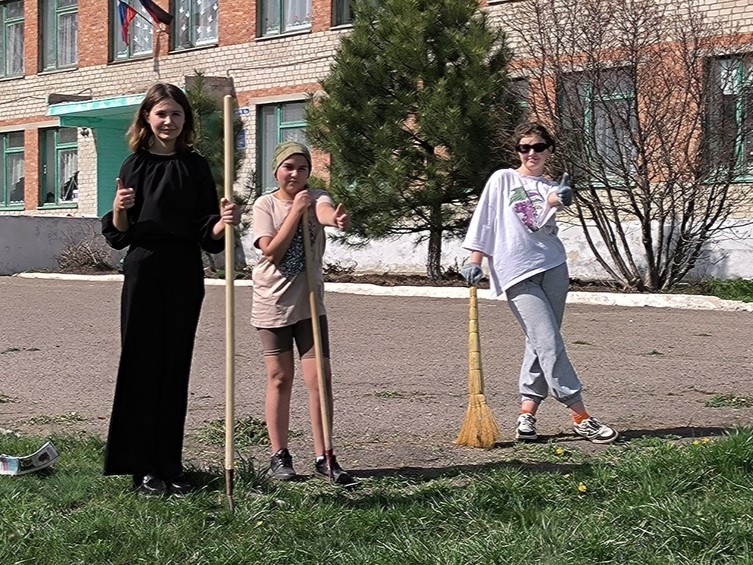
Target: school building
[{"x": 72, "y": 75}]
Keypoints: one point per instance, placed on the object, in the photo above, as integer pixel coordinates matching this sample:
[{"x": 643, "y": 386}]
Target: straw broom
[{"x": 479, "y": 428}]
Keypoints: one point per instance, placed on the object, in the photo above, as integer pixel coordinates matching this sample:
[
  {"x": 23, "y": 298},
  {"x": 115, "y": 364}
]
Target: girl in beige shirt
[{"x": 281, "y": 309}]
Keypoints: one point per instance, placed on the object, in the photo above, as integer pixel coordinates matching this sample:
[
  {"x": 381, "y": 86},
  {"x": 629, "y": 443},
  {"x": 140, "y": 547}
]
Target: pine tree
[
  {"x": 412, "y": 116},
  {"x": 210, "y": 143}
]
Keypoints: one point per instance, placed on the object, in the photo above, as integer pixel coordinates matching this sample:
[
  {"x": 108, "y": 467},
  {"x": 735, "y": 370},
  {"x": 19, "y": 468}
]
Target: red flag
[
  {"x": 157, "y": 13},
  {"x": 127, "y": 13}
]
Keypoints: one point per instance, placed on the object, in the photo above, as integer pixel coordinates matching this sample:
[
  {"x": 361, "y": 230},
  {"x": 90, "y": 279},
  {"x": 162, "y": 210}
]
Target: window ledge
[
  {"x": 340, "y": 27},
  {"x": 57, "y": 71},
  {"x": 283, "y": 35},
  {"x": 14, "y": 77},
  {"x": 195, "y": 48},
  {"x": 50, "y": 206},
  {"x": 130, "y": 60},
  {"x": 747, "y": 179}
]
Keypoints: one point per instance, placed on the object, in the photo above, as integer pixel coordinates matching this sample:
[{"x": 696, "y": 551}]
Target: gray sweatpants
[{"x": 539, "y": 304}]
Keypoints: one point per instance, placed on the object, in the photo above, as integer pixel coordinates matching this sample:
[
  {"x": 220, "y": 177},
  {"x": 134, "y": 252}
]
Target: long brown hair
[{"x": 140, "y": 134}]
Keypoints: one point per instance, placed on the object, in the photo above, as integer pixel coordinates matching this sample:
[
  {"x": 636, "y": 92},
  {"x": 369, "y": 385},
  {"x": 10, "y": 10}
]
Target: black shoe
[
  {"x": 281, "y": 466},
  {"x": 150, "y": 485},
  {"x": 179, "y": 486},
  {"x": 339, "y": 475}
]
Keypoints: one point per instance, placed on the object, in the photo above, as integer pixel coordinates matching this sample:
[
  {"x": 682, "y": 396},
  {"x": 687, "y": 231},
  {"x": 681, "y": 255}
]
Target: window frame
[
  {"x": 45, "y": 38},
  {"x": 262, "y": 9},
  {"x": 520, "y": 91},
  {"x": 5, "y": 24},
  {"x": 742, "y": 85},
  {"x": 265, "y": 148},
  {"x": 194, "y": 43},
  {"x": 342, "y": 13},
  {"x": 585, "y": 123},
  {"x": 51, "y": 145},
  {"x": 116, "y": 39},
  {"x": 5, "y": 186}
]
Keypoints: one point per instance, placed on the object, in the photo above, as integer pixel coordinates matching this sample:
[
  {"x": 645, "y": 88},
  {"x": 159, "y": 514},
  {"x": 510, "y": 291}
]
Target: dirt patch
[{"x": 400, "y": 367}]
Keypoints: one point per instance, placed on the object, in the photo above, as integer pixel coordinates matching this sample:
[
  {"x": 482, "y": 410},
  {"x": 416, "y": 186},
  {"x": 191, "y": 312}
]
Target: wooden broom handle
[
  {"x": 324, "y": 392},
  {"x": 475, "y": 373},
  {"x": 229, "y": 304}
]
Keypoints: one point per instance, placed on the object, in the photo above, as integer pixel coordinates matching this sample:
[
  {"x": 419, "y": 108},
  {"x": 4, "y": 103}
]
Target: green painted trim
[{"x": 118, "y": 107}]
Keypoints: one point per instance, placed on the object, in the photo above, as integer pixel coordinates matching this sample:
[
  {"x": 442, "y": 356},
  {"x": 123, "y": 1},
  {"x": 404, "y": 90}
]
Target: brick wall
[
  {"x": 263, "y": 70},
  {"x": 93, "y": 29}
]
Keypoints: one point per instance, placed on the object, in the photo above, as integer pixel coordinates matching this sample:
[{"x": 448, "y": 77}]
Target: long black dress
[{"x": 175, "y": 209}]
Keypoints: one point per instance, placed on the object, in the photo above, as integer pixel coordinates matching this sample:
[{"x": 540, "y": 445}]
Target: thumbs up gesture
[
  {"x": 341, "y": 218},
  {"x": 564, "y": 192},
  {"x": 125, "y": 198}
]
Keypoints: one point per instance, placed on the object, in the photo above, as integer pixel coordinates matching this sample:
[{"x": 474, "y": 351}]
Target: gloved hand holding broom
[{"x": 472, "y": 273}]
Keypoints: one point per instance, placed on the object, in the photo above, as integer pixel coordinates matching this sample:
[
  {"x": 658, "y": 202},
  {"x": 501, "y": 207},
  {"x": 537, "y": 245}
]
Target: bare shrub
[{"x": 84, "y": 252}]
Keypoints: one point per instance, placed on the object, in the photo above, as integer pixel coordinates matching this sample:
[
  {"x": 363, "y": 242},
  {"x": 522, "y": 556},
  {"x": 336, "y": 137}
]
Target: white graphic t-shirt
[{"x": 514, "y": 226}]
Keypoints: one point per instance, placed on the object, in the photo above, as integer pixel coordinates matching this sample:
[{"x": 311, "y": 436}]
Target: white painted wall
[{"x": 29, "y": 243}]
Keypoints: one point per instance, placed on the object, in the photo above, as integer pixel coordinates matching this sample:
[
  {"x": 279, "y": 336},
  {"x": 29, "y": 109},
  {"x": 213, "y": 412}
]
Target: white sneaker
[
  {"x": 594, "y": 431},
  {"x": 526, "y": 430}
]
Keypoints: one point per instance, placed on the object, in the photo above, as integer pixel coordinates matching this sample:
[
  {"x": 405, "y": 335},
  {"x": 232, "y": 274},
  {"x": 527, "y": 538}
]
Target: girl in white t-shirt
[
  {"x": 514, "y": 227},
  {"x": 281, "y": 310}
]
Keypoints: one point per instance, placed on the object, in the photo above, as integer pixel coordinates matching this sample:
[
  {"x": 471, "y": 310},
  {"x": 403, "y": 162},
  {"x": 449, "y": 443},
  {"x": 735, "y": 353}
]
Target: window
[
  {"x": 59, "y": 34},
  {"x": 139, "y": 35},
  {"x": 277, "y": 123},
  {"x": 195, "y": 24},
  {"x": 599, "y": 117},
  {"x": 342, "y": 11},
  {"x": 11, "y": 38},
  {"x": 282, "y": 16},
  {"x": 59, "y": 167},
  {"x": 730, "y": 131},
  {"x": 12, "y": 169},
  {"x": 519, "y": 89}
]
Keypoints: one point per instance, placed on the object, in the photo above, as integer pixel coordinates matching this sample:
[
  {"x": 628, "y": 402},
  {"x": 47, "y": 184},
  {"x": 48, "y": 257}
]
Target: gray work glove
[
  {"x": 472, "y": 273},
  {"x": 564, "y": 192}
]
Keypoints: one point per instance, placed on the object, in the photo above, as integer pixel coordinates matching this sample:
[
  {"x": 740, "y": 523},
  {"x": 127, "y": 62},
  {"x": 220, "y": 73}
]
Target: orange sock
[{"x": 578, "y": 418}]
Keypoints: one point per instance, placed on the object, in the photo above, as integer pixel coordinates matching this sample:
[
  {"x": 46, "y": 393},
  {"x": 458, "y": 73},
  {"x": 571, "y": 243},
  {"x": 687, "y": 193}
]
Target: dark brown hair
[
  {"x": 534, "y": 128},
  {"x": 140, "y": 134}
]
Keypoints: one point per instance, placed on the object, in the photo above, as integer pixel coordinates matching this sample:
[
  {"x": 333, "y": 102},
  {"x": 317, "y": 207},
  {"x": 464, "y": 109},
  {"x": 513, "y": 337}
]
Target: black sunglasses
[{"x": 537, "y": 147}]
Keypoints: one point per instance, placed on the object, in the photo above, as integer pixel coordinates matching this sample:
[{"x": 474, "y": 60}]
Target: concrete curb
[{"x": 680, "y": 301}]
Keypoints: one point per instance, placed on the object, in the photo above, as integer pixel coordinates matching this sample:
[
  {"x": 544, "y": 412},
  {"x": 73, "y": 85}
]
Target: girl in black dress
[{"x": 166, "y": 211}]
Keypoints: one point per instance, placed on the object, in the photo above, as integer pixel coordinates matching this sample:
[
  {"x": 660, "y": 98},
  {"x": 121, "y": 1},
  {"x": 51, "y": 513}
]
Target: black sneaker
[
  {"x": 281, "y": 466},
  {"x": 149, "y": 485},
  {"x": 339, "y": 476},
  {"x": 179, "y": 486}
]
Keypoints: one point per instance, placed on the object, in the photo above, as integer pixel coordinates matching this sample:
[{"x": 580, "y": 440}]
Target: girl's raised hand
[
  {"x": 125, "y": 198},
  {"x": 341, "y": 218}
]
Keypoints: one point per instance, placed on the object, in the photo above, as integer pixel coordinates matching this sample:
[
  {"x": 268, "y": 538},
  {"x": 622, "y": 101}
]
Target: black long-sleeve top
[{"x": 176, "y": 200}]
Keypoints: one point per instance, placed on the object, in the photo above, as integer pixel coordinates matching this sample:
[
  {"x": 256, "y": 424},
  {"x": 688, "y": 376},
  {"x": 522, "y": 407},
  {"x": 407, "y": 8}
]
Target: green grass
[
  {"x": 646, "y": 501},
  {"x": 248, "y": 431},
  {"x": 730, "y": 401},
  {"x": 729, "y": 289}
]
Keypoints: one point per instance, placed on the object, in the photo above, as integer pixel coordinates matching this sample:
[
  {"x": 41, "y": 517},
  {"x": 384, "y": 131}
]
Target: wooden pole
[
  {"x": 229, "y": 173},
  {"x": 325, "y": 392}
]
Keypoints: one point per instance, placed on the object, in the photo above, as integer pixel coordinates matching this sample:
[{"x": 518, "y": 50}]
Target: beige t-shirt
[{"x": 281, "y": 293}]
